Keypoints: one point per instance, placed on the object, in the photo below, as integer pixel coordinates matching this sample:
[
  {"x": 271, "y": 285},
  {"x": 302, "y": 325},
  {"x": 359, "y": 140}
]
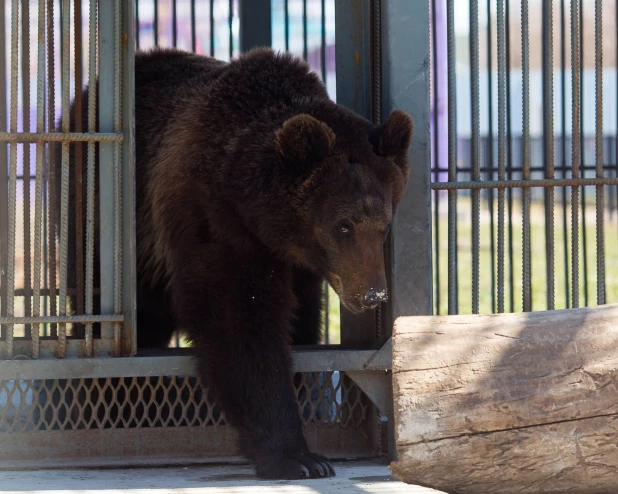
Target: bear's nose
[{"x": 374, "y": 297}]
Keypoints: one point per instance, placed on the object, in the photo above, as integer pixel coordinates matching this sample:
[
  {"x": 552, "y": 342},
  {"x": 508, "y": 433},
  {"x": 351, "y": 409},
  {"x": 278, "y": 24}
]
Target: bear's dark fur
[{"x": 252, "y": 186}]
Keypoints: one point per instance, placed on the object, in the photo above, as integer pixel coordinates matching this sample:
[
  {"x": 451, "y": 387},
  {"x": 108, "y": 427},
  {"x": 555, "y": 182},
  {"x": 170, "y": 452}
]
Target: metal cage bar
[
  {"x": 600, "y": 199},
  {"x": 4, "y": 228},
  {"x": 526, "y": 200},
  {"x": 255, "y": 23},
  {"x": 51, "y": 165},
  {"x": 575, "y": 149},
  {"x": 452, "y": 163},
  {"x": 501, "y": 48},
  {"x": 64, "y": 188},
  {"x": 548, "y": 151},
  {"x": 354, "y": 91},
  {"x": 25, "y": 77},
  {"x": 108, "y": 92},
  {"x": 475, "y": 150},
  {"x": 12, "y": 185}
]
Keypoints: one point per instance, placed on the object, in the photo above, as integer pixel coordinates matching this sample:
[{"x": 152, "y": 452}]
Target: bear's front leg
[{"x": 237, "y": 308}]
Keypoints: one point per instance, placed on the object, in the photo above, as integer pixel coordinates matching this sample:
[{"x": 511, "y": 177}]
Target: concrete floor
[{"x": 352, "y": 477}]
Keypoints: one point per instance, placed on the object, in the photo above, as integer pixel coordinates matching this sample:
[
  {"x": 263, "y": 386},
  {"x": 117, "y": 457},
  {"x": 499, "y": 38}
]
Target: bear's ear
[
  {"x": 305, "y": 139},
  {"x": 394, "y": 136}
]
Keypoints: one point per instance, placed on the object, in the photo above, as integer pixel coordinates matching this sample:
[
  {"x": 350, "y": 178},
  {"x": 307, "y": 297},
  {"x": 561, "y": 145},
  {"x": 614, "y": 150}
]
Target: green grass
[
  {"x": 334, "y": 318},
  {"x": 538, "y": 259}
]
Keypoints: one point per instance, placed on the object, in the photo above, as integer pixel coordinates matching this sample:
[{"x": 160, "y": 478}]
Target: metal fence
[
  {"x": 40, "y": 236},
  {"x": 68, "y": 282},
  {"x": 524, "y": 165}
]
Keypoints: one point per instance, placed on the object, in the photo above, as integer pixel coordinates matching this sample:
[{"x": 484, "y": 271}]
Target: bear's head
[{"x": 349, "y": 179}]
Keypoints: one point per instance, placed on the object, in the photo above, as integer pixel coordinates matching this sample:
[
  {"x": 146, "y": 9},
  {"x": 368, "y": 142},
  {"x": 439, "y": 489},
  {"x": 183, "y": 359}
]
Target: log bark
[{"x": 507, "y": 403}]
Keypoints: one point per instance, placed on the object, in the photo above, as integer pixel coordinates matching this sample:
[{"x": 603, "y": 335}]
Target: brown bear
[{"x": 252, "y": 187}]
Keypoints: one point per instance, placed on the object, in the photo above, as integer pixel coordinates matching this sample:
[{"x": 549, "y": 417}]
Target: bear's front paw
[{"x": 295, "y": 466}]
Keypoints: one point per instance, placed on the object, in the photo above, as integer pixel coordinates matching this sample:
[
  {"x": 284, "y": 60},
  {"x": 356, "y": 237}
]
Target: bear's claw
[{"x": 298, "y": 466}]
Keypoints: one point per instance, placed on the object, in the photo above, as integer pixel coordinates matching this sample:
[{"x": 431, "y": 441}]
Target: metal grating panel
[
  {"x": 325, "y": 399},
  {"x": 334, "y": 412}
]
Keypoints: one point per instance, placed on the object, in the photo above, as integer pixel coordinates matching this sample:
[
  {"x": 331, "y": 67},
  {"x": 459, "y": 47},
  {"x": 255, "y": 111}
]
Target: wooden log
[{"x": 507, "y": 403}]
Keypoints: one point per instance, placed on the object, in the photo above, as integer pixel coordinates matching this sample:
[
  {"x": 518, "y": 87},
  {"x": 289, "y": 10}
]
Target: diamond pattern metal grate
[{"x": 324, "y": 398}]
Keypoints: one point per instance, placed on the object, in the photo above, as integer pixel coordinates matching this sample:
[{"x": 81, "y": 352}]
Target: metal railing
[
  {"x": 44, "y": 326},
  {"x": 520, "y": 176}
]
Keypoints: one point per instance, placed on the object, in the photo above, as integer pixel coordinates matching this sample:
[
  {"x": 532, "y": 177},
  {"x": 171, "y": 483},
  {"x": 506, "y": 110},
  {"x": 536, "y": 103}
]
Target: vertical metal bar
[
  {"x": 548, "y": 130},
  {"x": 452, "y": 160},
  {"x": 376, "y": 103},
  {"x": 305, "y": 28},
  {"x": 501, "y": 146},
  {"x": 212, "y": 28},
  {"x": 475, "y": 149},
  {"x": 526, "y": 248},
  {"x": 600, "y": 202},
  {"x": 193, "y": 31},
  {"x": 435, "y": 157},
  {"x": 77, "y": 165},
  {"x": 489, "y": 160},
  {"x": 106, "y": 96},
  {"x": 254, "y": 17},
  {"x": 286, "y": 23},
  {"x": 64, "y": 189},
  {"x": 509, "y": 134},
  {"x": 174, "y": 24},
  {"x": 38, "y": 213},
  {"x": 564, "y": 150},
  {"x": 326, "y": 314},
  {"x": 137, "y": 26},
  {"x": 353, "y": 46},
  {"x": 156, "y": 22},
  {"x": 117, "y": 173},
  {"x": 51, "y": 126},
  {"x": 4, "y": 228},
  {"x": 323, "y": 39},
  {"x": 406, "y": 86},
  {"x": 25, "y": 78},
  {"x": 90, "y": 172},
  {"x": 354, "y": 76},
  {"x": 230, "y": 24},
  {"x": 581, "y": 152},
  {"x": 575, "y": 149},
  {"x": 10, "y": 279}
]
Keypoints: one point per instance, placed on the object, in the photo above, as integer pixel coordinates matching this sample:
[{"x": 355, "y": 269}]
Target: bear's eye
[{"x": 345, "y": 228}]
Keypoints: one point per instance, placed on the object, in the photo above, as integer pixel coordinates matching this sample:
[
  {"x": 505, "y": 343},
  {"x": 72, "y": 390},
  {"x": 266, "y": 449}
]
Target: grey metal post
[
  {"x": 255, "y": 23},
  {"x": 353, "y": 48},
  {"x": 353, "y": 22},
  {"x": 4, "y": 231},
  {"x": 129, "y": 278},
  {"x": 106, "y": 159},
  {"x": 405, "y": 84}
]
